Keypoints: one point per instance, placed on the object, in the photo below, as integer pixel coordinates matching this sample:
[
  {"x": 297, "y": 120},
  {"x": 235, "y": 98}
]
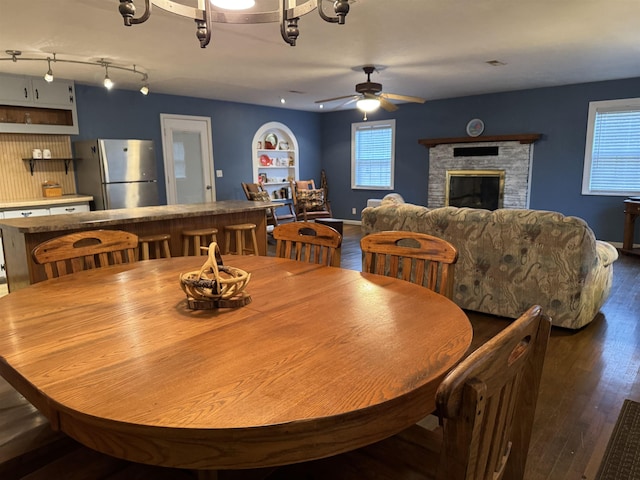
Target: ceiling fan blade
[
  {"x": 403, "y": 98},
  {"x": 326, "y": 100},
  {"x": 387, "y": 105},
  {"x": 344, "y": 104}
]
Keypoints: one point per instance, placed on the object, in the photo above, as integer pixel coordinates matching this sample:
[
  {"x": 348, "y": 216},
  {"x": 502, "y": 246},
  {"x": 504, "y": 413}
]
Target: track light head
[{"x": 49, "y": 75}]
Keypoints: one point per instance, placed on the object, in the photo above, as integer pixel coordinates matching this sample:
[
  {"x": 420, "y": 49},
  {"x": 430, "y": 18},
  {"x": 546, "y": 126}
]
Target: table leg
[{"x": 629, "y": 228}]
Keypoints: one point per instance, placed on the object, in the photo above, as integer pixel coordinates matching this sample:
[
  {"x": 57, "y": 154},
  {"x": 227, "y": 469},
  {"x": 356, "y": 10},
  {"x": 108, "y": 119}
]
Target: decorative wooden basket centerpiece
[{"x": 215, "y": 285}]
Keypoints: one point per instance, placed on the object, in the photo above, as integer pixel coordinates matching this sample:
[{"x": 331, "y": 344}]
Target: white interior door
[{"x": 188, "y": 159}]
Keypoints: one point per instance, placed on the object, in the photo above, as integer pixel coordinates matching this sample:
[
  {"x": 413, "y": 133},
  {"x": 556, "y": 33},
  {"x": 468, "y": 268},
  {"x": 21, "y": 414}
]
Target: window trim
[
  {"x": 594, "y": 108},
  {"x": 354, "y": 129}
]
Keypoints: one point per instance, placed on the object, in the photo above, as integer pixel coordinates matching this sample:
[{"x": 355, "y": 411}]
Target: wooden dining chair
[
  {"x": 415, "y": 257},
  {"x": 307, "y": 242},
  {"x": 309, "y": 202},
  {"x": 85, "y": 250},
  {"x": 486, "y": 406}
]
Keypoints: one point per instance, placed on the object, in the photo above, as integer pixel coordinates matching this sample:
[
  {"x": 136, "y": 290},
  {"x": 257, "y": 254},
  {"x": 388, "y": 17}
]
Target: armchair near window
[{"x": 308, "y": 201}]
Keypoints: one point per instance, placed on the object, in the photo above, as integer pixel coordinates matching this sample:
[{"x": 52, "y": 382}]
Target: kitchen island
[{"x": 21, "y": 235}]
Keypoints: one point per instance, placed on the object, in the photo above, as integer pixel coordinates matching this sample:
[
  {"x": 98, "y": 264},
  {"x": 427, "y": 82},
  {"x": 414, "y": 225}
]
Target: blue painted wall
[
  {"x": 559, "y": 114},
  {"x": 128, "y": 114}
]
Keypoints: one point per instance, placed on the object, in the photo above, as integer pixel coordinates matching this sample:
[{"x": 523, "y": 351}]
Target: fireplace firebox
[{"x": 475, "y": 188}]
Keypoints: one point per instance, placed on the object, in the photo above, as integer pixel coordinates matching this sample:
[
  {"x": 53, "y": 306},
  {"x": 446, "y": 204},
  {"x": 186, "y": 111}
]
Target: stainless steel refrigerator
[{"x": 117, "y": 173}]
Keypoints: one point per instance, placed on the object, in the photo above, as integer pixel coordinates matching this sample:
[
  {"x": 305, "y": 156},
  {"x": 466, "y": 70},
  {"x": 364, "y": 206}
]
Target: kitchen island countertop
[
  {"x": 21, "y": 235},
  {"x": 123, "y": 216}
]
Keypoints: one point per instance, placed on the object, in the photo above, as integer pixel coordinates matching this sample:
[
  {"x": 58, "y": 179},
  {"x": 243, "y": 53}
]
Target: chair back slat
[
  {"x": 415, "y": 257},
  {"x": 307, "y": 242},
  {"x": 486, "y": 406},
  {"x": 79, "y": 251}
]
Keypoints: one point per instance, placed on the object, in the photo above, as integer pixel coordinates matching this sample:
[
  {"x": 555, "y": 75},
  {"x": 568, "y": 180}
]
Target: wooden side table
[{"x": 631, "y": 212}]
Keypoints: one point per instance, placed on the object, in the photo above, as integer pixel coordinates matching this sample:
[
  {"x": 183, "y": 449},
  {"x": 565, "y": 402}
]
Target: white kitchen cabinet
[
  {"x": 32, "y": 105},
  {"x": 65, "y": 209},
  {"x": 15, "y": 90},
  {"x": 59, "y": 93},
  {"x": 26, "y": 212}
]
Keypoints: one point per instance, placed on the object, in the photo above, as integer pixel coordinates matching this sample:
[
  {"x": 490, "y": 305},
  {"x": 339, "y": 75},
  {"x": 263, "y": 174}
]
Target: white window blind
[
  {"x": 372, "y": 157},
  {"x": 612, "y": 152}
]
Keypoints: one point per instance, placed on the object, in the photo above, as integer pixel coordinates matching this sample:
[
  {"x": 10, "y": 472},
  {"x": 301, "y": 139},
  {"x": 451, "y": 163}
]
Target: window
[
  {"x": 373, "y": 155},
  {"x": 612, "y": 151}
]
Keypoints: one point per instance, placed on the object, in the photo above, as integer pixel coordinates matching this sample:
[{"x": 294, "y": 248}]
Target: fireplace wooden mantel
[{"x": 521, "y": 137}]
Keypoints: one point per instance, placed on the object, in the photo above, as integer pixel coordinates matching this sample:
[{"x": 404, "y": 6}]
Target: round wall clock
[{"x": 475, "y": 127}]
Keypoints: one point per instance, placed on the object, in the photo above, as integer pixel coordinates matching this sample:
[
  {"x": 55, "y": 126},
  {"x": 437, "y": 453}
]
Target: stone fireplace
[{"x": 487, "y": 172}]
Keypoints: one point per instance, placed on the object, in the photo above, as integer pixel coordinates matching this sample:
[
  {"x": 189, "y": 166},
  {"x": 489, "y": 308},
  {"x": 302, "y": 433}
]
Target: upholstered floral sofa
[{"x": 511, "y": 259}]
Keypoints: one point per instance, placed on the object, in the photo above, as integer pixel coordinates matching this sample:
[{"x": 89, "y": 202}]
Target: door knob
[{"x": 208, "y": 187}]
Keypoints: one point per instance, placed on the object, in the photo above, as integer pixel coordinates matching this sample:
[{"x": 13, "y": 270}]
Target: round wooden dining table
[{"x": 323, "y": 360}]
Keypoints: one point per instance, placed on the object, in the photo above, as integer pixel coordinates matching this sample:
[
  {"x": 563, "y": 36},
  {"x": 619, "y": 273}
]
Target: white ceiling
[{"x": 428, "y": 48}]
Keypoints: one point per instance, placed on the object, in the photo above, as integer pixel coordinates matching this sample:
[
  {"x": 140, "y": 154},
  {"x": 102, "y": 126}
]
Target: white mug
[
  {"x": 46, "y": 153},
  {"x": 36, "y": 153}
]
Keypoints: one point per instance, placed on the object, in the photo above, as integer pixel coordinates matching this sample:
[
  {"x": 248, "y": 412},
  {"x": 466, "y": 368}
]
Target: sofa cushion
[{"x": 510, "y": 259}]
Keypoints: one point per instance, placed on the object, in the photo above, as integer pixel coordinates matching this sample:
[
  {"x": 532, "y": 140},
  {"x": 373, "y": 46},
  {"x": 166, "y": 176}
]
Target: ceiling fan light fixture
[
  {"x": 368, "y": 104},
  {"x": 233, "y": 4}
]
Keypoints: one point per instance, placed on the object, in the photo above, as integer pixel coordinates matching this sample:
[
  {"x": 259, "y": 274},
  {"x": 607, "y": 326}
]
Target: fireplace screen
[{"x": 475, "y": 188}]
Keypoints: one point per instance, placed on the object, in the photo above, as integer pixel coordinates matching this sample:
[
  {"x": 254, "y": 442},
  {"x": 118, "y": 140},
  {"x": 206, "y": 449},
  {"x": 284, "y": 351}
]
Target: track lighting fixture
[
  {"x": 209, "y": 12},
  {"x": 49, "y": 75},
  {"x": 108, "y": 83},
  {"x": 16, "y": 55}
]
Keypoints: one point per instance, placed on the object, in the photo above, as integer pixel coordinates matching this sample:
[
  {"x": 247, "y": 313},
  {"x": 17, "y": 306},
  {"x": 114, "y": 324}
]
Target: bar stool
[
  {"x": 241, "y": 230},
  {"x": 160, "y": 244},
  {"x": 201, "y": 237}
]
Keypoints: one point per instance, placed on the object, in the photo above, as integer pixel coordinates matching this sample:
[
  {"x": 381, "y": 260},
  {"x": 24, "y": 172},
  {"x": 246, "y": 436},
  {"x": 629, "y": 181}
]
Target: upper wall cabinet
[{"x": 32, "y": 105}]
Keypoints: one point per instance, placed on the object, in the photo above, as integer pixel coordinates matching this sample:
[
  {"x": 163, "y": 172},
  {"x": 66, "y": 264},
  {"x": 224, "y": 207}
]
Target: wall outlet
[
  {"x": 219, "y": 173},
  {"x": 353, "y": 211}
]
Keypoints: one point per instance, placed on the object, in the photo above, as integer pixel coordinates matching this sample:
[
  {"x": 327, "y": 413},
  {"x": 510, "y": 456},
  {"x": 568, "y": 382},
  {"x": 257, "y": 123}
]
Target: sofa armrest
[{"x": 607, "y": 253}]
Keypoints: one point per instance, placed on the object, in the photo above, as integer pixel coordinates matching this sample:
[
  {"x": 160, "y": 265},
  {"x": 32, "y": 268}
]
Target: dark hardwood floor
[{"x": 587, "y": 375}]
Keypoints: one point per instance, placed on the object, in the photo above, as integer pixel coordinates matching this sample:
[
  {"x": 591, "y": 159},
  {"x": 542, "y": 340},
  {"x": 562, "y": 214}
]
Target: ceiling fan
[{"x": 370, "y": 95}]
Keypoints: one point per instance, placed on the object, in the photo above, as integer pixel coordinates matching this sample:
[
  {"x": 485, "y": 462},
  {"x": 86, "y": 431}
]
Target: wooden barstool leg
[
  {"x": 239, "y": 242},
  {"x": 227, "y": 242},
  {"x": 185, "y": 247},
  {"x": 254, "y": 240},
  {"x": 167, "y": 250},
  {"x": 145, "y": 251},
  {"x": 156, "y": 249},
  {"x": 196, "y": 246}
]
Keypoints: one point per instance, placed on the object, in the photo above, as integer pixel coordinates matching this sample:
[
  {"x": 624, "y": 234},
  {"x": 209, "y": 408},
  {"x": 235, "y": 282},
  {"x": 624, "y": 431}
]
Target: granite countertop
[
  {"x": 101, "y": 218},
  {"x": 44, "y": 201}
]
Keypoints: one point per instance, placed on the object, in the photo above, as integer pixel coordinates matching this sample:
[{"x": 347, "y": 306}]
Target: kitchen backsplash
[{"x": 16, "y": 182}]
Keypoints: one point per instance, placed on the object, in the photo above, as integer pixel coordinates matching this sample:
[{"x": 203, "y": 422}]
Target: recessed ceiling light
[{"x": 283, "y": 101}]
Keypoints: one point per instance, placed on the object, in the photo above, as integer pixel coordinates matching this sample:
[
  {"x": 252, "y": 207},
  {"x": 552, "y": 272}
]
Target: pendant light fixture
[
  {"x": 209, "y": 12},
  {"x": 233, "y": 4}
]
